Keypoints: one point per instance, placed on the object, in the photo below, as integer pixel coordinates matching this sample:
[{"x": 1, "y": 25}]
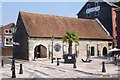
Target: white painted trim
[
  {"x": 8, "y": 31},
  {"x": 8, "y": 41}
]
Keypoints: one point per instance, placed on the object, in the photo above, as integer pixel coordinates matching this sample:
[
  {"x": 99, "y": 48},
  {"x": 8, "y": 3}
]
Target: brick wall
[
  {"x": 114, "y": 27},
  {"x": 7, "y": 51},
  {"x": 118, "y": 28}
]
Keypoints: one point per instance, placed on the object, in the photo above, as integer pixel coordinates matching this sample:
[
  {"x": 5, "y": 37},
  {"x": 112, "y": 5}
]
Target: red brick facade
[
  {"x": 114, "y": 27},
  {"x": 118, "y": 26},
  {"x": 7, "y": 48}
]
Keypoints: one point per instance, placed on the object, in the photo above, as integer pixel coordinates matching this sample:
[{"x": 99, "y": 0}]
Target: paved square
[{"x": 45, "y": 69}]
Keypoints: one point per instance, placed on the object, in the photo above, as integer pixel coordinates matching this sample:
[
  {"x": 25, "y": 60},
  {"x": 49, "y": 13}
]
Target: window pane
[
  {"x": 10, "y": 31},
  {"x": 10, "y": 39},
  {"x": 6, "y": 31},
  {"x": 7, "y": 39}
]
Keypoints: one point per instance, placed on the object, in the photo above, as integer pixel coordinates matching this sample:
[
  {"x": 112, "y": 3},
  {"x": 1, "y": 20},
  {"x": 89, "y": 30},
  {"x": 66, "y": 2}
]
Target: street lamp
[
  {"x": 52, "y": 38},
  {"x": 13, "y": 30}
]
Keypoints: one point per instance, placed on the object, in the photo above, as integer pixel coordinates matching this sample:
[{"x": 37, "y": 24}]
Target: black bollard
[
  {"x": 21, "y": 70},
  {"x": 115, "y": 61},
  {"x": 13, "y": 61},
  {"x": 74, "y": 64},
  {"x": 103, "y": 67},
  {"x": 52, "y": 60},
  {"x": 2, "y": 63},
  {"x": 58, "y": 63},
  {"x": 13, "y": 69}
]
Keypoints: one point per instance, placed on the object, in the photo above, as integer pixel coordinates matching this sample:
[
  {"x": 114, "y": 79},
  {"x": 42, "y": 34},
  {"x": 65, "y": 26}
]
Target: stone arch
[
  {"x": 104, "y": 51},
  {"x": 40, "y": 51}
]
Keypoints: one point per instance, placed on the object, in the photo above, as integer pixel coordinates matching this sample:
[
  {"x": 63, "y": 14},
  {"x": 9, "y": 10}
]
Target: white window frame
[
  {"x": 8, "y": 31},
  {"x": 10, "y": 43}
]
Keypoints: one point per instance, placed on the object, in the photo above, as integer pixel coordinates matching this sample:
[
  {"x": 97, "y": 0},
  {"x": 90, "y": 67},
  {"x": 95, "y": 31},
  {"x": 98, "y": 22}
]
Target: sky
[{"x": 10, "y": 10}]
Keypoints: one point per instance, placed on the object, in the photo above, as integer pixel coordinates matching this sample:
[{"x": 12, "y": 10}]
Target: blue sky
[{"x": 10, "y": 10}]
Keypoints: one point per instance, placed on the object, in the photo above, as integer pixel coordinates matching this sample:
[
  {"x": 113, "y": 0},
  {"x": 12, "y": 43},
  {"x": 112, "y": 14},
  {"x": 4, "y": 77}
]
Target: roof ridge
[
  {"x": 41, "y": 26},
  {"x": 110, "y": 3},
  {"x": 54, "y": 16},
  {"x": 8, "y": 24}
]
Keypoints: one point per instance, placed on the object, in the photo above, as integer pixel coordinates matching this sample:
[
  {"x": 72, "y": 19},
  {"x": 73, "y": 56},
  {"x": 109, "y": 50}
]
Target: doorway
[
  {"x": 92, "y": 51},
  {"x": 105, "y": 52},
  {"x": 40, "y": 51}
]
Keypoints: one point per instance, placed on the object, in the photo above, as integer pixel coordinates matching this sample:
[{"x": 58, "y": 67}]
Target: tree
[{"x": 70, "y": 37}]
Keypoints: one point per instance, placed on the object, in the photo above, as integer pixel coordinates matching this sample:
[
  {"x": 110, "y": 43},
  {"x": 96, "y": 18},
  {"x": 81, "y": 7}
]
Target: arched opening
[
  {"x": 105, "y": 51},
  {"x": 40, "y": 51}
]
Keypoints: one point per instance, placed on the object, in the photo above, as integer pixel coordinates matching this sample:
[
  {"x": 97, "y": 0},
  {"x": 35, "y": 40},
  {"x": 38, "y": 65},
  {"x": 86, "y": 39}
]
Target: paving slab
[{"x": 46, "y": 69}]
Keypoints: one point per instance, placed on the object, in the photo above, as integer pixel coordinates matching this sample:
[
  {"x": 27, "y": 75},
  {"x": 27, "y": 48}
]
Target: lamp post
[
  {"x": 13, "y": 30},
  {"x": 52, "y": 38},
  {"x": 13, "y": 69}
]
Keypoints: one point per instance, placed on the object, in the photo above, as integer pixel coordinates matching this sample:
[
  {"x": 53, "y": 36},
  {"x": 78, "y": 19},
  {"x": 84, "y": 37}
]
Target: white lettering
[{"x": 93, "y": 9}]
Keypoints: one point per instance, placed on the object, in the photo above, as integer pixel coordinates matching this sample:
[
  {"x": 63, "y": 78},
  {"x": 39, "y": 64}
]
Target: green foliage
[
  {"x": 71, "y": 36},
  {"x": 11, "y": 47}
]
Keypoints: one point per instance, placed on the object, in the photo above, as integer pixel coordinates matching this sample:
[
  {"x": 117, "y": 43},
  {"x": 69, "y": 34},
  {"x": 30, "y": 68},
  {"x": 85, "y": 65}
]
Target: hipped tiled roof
[
  {"x": 42, "y": 25},
  {"x": 8, "y": 25}
]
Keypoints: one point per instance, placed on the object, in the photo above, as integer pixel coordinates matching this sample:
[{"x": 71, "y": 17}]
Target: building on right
[
  {"x": 117, "y": 11},
  {"x": 103, "y": 10}
]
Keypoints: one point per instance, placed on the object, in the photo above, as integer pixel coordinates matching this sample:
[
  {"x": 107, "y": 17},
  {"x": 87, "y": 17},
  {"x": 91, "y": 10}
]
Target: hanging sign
[
  {"x": 93, "y": 9},
  {"x": 15, "y": 43}
]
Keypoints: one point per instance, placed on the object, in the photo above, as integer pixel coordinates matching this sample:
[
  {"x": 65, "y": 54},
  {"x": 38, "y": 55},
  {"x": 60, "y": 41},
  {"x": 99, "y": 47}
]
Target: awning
[{"x": 114, "y": 50}]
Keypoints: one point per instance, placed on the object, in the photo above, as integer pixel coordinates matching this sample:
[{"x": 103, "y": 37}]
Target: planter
[{"x": 69, "y": 58}]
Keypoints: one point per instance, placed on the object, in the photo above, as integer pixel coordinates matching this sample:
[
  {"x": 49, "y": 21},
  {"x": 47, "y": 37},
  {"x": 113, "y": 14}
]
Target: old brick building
[
  {"x": 34, "y": 32},
  {"x": 104, "y": 11},
  {"x": 7, "y": 39},
  {"x": 117, "y": 11}
]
